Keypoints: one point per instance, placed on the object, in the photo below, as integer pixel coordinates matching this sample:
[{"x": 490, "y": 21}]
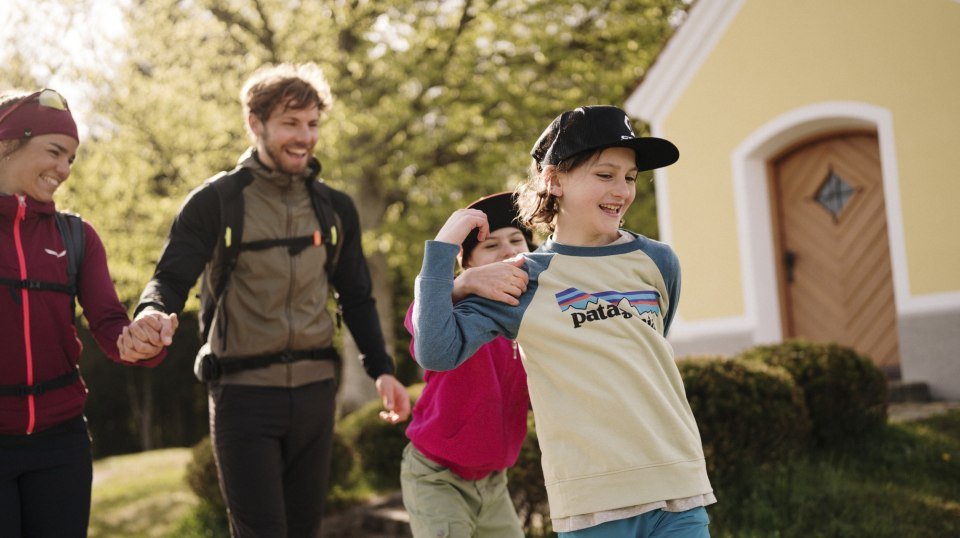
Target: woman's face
[
  {"x": 594, "y": 197},
  {"x": 39, "y": 167},
  {"x": 501, "y": 244}
]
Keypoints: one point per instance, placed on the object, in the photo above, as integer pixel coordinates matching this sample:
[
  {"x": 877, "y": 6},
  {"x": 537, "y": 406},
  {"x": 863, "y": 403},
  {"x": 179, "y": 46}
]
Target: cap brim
[{"x": 651, "y": 152}]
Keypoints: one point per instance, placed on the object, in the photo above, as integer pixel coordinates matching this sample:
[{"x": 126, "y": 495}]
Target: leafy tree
[{"x": 438, "y": 103}]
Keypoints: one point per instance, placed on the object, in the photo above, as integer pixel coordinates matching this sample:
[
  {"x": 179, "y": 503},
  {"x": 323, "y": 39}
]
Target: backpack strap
[
  {"x": 71, "y": 230},
  {"x": 322, "y": 201},
  {"x": 74, "y": 242},
  {"x": 229, "y": 187}
]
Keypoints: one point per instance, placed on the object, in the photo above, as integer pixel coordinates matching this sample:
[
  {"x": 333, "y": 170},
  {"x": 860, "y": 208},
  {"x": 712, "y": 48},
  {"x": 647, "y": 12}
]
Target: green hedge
[
  {"x": 747, "y": 412},
  {"x": 846, "y": 394}
]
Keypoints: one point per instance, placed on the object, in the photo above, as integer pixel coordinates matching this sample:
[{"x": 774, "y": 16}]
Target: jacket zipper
[{"x": 25, "y": 305}]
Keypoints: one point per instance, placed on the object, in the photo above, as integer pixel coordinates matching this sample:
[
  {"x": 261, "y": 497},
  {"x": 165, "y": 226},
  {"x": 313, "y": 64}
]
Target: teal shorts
[
  {"x": 442, "y": 504},
  {"x": 658, "y": 523}
]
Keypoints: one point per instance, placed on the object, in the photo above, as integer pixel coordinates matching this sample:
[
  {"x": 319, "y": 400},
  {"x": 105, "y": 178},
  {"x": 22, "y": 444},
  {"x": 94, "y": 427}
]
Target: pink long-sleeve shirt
[{"x": 472, "y": 420}]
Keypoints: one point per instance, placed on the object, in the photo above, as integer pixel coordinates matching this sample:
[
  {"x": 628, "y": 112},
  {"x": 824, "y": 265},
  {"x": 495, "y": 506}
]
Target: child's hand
[
  {"x": 499, "y": 281},
  {"x": 461, "y": 223}
]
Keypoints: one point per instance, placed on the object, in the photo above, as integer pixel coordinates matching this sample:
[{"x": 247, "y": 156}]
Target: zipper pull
[{"x": 516, "y": 349}]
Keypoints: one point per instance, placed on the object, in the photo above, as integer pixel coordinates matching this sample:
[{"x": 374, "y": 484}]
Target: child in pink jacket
[{"x": 469, "y": 423}]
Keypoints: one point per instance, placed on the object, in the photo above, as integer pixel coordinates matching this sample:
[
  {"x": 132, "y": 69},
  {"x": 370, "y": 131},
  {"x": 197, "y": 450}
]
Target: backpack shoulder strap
[
  {"x": 322, "y": 199},
  {"x": 229, "y": 187},
  {"x": 71, "y": 229}
]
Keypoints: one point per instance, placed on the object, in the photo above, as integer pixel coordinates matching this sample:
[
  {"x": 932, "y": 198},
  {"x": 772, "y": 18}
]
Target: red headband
[{"x": 31, "y": 117}]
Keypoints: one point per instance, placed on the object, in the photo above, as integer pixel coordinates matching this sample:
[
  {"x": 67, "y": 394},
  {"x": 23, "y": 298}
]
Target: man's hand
[
  {"x": 147, "y": 335},
  {"x": 500, "y": 281},
  {"x": 396, "y": 401}
]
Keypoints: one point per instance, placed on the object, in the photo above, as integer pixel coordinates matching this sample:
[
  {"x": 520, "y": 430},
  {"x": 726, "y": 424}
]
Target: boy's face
[
  {"x": 501, "y": 244},
  {"x": 286, "y": 140},
  {"x": 594, "y": 197}
]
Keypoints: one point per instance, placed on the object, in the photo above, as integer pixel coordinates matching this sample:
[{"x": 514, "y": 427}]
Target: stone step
[
  {"x": 907, "y": 391},
  {"x": 388, "y": 517},
  {"x": 388, "y": 522}
]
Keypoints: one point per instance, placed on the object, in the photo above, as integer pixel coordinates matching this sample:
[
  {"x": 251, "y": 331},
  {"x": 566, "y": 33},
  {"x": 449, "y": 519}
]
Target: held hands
[
  {"x": 396, "y": 401},
  {"x": 147, "y": 335},
  {"x": 500, "y": 281},
  {"x": 461, "y": 223}
]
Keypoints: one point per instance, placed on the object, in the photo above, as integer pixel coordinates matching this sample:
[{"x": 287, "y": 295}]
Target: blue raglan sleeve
[
  {"x": 670, "y": 269},
  {"x": 445, "y": 335}
]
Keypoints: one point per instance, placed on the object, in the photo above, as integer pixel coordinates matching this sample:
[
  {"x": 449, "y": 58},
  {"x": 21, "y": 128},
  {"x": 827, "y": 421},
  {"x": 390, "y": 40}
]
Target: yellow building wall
[{"x": 778, "y": 55}]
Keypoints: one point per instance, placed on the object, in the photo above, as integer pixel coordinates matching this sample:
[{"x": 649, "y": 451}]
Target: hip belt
[
  {"x": 209, "y": 367},
  {"x": 37, "y": 389}
]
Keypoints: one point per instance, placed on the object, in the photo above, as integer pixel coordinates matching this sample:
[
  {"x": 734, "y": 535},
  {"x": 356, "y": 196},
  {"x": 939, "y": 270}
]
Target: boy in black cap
[
  {"x": 469, "y": 423},
  {"x": 622, "y": 455}
]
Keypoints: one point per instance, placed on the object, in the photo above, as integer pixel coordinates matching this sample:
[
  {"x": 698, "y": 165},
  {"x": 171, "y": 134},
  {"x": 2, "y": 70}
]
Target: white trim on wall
[{"x": 681, "y": 59}]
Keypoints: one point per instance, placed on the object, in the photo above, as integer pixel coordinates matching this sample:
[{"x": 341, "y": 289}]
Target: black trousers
[
  {"x": 45, "y": 481},
  {"x": 272, "y": 447}
]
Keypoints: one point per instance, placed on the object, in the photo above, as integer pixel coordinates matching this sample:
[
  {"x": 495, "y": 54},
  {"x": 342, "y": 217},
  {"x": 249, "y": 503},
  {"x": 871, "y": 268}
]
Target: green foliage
[
  {"x": 748, "y": 413},
  {"x": 438, "y": 103},
  {"x": 202, "y": 477},
  {"x": 845, "y": 392},
  {"x": 903, "y": 482},
  {"x": 378, "y": 444}
]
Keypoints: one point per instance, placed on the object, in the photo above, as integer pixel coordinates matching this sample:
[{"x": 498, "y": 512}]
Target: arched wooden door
[{"x": 836, "y": 283}]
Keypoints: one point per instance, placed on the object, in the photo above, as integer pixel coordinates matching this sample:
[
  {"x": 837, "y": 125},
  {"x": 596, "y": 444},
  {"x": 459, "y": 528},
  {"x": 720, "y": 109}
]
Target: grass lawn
[
  {"x": 140, "y": 495},
  {"x": 902, "y": 482}
]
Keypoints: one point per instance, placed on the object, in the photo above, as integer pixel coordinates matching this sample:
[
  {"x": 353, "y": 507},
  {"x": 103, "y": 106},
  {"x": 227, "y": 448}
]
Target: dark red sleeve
[{"x": 97, "y": 296}]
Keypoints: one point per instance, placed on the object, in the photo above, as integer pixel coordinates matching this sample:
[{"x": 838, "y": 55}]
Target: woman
[{"x": 45, "y": 461}]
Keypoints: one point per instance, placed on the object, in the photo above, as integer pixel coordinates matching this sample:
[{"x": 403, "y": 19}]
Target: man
[{"x": 268, "y": 359}]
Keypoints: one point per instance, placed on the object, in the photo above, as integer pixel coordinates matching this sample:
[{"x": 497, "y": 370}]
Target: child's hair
[
  {"x": 573, "y": 138},
  {"x": 295, "y": 86},
  {"x": 537, "y": 207}
]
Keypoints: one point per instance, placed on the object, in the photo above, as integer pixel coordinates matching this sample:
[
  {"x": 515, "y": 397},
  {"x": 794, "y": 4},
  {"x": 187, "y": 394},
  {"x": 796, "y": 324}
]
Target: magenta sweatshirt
[{"x": 472, "y": 420}]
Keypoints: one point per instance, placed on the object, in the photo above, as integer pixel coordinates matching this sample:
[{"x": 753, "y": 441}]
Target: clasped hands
[{"x": 147, "y": 335}]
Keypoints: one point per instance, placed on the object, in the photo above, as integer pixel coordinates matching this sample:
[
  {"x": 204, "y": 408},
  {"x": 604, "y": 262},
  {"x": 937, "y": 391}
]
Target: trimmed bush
[
  {"x": 202, "y": 477},
  {"x": 845, "y": 392},
  {"x": 747, "y": 412},
  {"x": 378, "y": 444},
  {"x": 203, "y": 481}
]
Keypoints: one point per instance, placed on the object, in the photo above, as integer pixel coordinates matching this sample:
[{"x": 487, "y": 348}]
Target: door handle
[{"x": 789, "y": 262}]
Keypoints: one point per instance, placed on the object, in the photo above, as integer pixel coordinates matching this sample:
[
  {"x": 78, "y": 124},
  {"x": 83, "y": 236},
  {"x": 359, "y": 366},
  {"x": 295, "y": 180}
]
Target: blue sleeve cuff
[{"x": 439, "y": 260}]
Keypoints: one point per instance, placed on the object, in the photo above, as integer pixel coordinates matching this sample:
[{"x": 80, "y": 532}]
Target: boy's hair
[
  {"x": 295, "y": 86},
  {"x": 537, "y": 207}
]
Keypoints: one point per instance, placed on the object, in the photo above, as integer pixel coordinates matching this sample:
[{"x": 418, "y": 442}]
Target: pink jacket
[
  {"x": 38, "y": 341},
  {"x": 473, "y": 419}
]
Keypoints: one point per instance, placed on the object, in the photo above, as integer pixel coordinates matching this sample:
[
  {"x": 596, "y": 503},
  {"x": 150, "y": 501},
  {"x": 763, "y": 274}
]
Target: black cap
[
  {"x": 501, "y": 213},
  {"x": 594, "y": 127}
]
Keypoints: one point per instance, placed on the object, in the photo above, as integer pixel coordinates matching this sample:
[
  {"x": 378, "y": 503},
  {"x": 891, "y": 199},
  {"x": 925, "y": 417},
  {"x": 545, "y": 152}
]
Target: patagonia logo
[
  {"x": 60, "y": 254},
  {"x": 589, "y": 307}
]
